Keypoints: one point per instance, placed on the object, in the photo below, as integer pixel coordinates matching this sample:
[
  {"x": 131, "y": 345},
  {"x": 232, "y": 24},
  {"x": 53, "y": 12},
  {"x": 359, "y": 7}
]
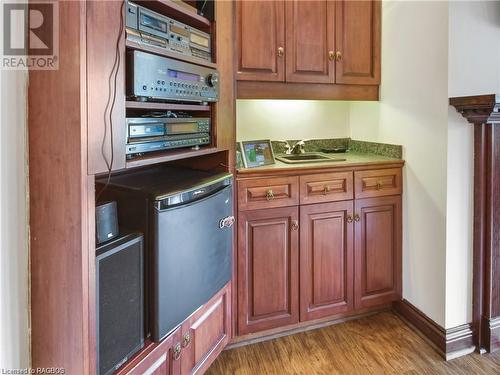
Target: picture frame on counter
[{"x": 257, "y": 153}]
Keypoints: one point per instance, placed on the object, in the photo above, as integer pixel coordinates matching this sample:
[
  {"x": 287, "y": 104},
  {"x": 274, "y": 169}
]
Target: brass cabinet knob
[
  {"x": 177, "y": 351},
  {"x": 338, "y": 56},
  {"x": 186, "y": 339},
  {"x": 295, "y": 225},
  {"x": 326, "y": 189},
  {"x": 281, "y": 51},
  {"x": 331, "y": 55},
  {"x": 269, "y": 195},
  {"x": 357, "y": 218},
  {"x": 349, "y": 219}
]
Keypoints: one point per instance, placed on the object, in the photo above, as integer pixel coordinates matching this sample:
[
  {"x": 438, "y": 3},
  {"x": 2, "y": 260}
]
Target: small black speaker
[
  {"x": 106, "y": 222},
  {"x": 119, "y": 301}
]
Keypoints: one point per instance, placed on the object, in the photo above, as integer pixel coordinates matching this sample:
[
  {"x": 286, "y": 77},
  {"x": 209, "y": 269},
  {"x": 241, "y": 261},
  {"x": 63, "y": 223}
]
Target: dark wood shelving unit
[
  {"x": 171, "y": 9},
  {"x": 169, "y": 156},
  {"x": 130, "y": 104},
  {"x": 163, "y": 52}
]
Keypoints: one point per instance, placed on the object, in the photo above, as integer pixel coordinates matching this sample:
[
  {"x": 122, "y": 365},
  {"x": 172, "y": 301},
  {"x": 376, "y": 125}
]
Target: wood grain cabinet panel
[
  {"x": 260, "y": 33},
  {"x": 377, "y": 251},
  {"x": 267, "y": 269},
  {"x": 156, "y": 359},
  {"x": 104, "y": 123},
  {"x": 358, "y": 40},
  {"x": 326, "y": 259},
  {"x": 310, "y": 41},
  {"x": 326, "y": 187},
  {"x": 377, "y": 183},
  {"x": 268, "y": 193},
  {"x": 206, "y": 333}
]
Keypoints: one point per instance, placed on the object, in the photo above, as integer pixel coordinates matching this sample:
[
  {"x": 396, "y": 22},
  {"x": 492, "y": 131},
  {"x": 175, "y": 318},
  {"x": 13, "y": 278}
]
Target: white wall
[
  {"x": 14, "y": 336},
  {"x": 14, "y": 290},
  {"x": 413, "y": 111},
  {"x": 291, "y": 119},
  {"x": 474, "y": 68}
]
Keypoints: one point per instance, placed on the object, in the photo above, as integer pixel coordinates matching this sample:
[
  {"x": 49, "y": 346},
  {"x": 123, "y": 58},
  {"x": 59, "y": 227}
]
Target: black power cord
[{"x": 110, "y": 104}]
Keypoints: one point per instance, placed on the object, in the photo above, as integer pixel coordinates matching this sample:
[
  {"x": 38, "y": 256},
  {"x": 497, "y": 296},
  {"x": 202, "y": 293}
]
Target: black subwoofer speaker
[{"x": 120, "y": 301}]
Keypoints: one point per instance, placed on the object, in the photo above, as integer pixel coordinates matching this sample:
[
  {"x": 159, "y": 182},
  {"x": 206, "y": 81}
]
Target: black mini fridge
[{"x": 188, "y": 219}]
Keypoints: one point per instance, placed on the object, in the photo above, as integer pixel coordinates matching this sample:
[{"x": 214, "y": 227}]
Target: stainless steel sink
[{"x": 307, "y": 157}]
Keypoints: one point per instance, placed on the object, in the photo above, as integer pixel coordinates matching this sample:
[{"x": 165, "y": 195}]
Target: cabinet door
[
  {"x": 206, "y": 333},
  {"x": 310, "y": 41},
  {"x": 157, "y": 359},
  {"x": 102, "y": 21},
  {"x": 377, "y": 251},
  {"x": 267, "y": 269},
  {"x": 260, "y": 32},
  {"x": 358, "y": 41},
  {"x": 326, "y": 259}
]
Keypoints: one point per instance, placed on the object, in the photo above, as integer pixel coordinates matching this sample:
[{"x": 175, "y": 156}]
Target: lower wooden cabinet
[
  {"x": 326, "y": 259},
  {"x": 377, "y": 251},
  {"x": 206, "y": 333},
  {"x": 267, "y": 269},
  {"x": 340, "y": 257},
  {"x": 191, "y": 348}
]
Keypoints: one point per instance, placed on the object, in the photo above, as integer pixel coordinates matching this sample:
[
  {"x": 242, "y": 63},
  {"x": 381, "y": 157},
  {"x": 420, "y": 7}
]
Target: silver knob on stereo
[{"x": 213, "y": 79}]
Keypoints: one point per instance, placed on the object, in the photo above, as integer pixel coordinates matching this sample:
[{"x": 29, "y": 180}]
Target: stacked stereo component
[{"x": 175, "y": 68}]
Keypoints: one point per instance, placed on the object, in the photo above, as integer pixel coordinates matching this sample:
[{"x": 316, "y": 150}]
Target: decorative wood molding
[
  {"x": 484, "y": 112},
  {"x": 480, "y": 109},
  {"x": 449, "y": 343}
]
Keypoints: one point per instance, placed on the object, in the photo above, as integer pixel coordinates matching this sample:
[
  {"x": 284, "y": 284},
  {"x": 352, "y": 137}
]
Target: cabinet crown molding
[{"x": 478, "y": 109}]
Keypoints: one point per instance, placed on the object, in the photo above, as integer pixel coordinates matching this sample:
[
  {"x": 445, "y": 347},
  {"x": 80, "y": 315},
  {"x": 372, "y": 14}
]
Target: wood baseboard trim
[
  {"x": 449, "y": 343},
  {"x": 492, "y": 334},
  {"x": 254, "y": 338}
]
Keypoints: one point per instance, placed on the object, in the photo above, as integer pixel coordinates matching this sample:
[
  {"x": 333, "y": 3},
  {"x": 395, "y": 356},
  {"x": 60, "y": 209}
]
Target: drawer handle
[
  {"x": 177, "y": 351},
  {"x": 349, "y": 219},
  {"x": 357, "y": 218},
  {"x": 326, "y": 190},
  {"x": 269, "y": 195},
  {"x": 281, "y": 51},
  {"x": 379, "y": 185},
  {"x": 295, "y": 225},
  {"x": 186, "y": 340}
]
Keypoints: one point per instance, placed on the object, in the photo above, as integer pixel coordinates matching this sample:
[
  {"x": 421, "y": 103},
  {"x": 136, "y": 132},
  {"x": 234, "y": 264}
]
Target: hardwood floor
[{"x": 379, "y": 344}]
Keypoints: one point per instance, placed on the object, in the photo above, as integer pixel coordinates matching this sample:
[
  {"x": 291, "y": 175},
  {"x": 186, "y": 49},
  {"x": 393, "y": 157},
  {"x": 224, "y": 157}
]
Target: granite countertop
[{"x": 360, "y": 153}]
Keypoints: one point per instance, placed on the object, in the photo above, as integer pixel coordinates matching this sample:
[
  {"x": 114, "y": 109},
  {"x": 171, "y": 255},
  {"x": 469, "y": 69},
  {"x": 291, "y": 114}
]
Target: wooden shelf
[
  {"x": 163, "y": 52},
  {"x": 171, "y": 9},
  {"x": 152, "y": 106},
  {"x": 169, "y": 156}
]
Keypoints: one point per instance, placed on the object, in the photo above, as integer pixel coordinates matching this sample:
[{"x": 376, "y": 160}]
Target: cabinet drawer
[
  {"x": 268, "y": 193},
  {"x": 377, "y": 183},
  {"x": 326, "y": 187}
]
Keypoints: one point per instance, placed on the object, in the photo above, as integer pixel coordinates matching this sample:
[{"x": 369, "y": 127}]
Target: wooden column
[{"x": 484, "y": 113}]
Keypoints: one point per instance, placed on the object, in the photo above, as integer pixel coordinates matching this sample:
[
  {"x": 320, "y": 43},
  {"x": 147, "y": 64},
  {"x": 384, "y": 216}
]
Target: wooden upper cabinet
[
  {"x": 377, "y": 251},
  {"x": 326, "y": 259},
  {"x": 358, "y": 42},
  {"x": 310, "y": 41},
  {"x": 103, "y": 29},
  {"x": 268, "y": 245},
  {"x": 260, "y": 30}
]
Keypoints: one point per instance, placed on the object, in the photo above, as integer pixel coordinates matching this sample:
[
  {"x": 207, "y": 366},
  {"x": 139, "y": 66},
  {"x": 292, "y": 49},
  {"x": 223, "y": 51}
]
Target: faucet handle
[
  {"x": 288, "y": 150},
  {"x": 298, "y": 148}
]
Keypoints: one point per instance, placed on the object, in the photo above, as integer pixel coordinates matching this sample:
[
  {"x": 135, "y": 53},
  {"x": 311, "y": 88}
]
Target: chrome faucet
[
  {"x": 298, "y": 148},
  {"x": 288, "y": 150}
]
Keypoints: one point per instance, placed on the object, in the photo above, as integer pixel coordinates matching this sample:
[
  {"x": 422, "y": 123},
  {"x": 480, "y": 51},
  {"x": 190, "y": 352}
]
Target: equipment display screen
[
  {"x": 153, "y": 23},
  {"x": 179, "y": 30},
  {"x": 200, "y": 40},
  {"x": 183, "y": 127},
  {"x": 182, "y": 75}
]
